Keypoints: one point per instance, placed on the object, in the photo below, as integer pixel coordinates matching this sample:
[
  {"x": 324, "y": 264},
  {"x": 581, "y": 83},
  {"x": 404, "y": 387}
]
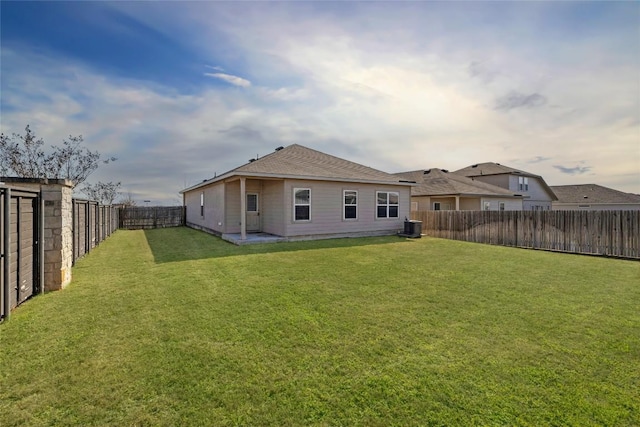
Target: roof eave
[
  {"x": 238, "y": 175},
  {"x": 511, "y": 196}
]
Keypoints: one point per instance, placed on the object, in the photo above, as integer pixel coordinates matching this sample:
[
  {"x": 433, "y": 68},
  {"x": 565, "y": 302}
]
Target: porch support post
[
  {"x": 457, "y": 203},
  {"x": 243, "y": 208}
]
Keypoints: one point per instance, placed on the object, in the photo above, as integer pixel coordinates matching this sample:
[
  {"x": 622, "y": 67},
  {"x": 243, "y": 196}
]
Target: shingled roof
[
  {"x": 491, "y": 168},
  {"x": 436, "y": 182},
  {"x": 593, "y": 193},
  {"x": 299, "y": 162}
]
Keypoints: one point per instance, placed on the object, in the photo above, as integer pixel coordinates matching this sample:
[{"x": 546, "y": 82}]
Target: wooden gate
[{"x": 21, "y": 251}]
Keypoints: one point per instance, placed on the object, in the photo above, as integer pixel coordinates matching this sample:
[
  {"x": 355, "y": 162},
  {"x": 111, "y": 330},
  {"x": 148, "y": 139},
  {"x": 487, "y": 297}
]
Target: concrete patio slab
[{"x": 252, "y": 238}]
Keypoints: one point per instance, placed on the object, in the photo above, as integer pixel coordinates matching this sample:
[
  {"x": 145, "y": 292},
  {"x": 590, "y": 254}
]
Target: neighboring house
[
  {"x": 298, "y": 193},
  {"x": 437, "y": 190},
  {"x": 593, "y": 197},
  {"x": 537, "y": 195}
]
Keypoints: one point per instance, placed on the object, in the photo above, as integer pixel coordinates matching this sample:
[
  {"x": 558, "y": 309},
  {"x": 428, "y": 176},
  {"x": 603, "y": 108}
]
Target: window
[
  {"x": 501, "y": 206},
  {"x": 487, "y": 206},
  {"x": 252, "y": 202},
  {"x": 301, "y": 204},
  {"x": 202, "y": 204},
  {"x": 439, "y": 206},
  {"x": 523, "y": 183},
  {"x": 388, "y": 204},
  {"x": 350, "y": 204},
  {"x": 436, "y": 206},
  {"x": 414, "y": 206}
]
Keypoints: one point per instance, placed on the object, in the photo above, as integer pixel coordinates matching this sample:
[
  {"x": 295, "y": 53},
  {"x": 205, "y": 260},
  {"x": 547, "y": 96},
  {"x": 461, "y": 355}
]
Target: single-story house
[
  {"x": 536, "y": 194},
  {"x": 437, "y": 189},
  {"x": 299, "y": 193},
  {"x": 593, "y": 197}
]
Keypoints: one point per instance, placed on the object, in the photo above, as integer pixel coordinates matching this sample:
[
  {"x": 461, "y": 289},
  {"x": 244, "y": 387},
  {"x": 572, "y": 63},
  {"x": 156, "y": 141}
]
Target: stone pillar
[
  {"x": 57, "y": 195},
  {"x": 58, "y": 233}
]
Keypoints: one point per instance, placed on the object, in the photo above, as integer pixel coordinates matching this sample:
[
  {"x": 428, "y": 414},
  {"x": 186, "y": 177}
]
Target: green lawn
[{"x": 174, "y": 327}]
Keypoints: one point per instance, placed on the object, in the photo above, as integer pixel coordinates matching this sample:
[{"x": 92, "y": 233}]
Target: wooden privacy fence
[
  {"x": 609, "y": 233},
  {"x": 92, "y": 223},
  {"x": 43, "y": 231},
  {"x": 133, "y": 218},
  {"x": 21, "y": 229}
]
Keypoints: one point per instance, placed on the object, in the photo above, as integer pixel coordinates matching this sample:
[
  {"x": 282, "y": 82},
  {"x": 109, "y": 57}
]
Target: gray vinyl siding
[
  {"x": 327, "y": 209},
  {"x": 470, "y": 204},
  {"x": 536, "y": 190},
  {"x": 535, "y": 196},
  {"x": 192, "y": 203},
  {"x": 272, "y": 210},
  {"x": 497, "y": 180},
  {"x": 232, "y": 201},
  {"x": 494, "y": 204},
  {"x": 213, "y": 207},
  {"x": 446, "y": 203},
  {"x": 232, "y": 207},
  {"x": 424, "y": 202},
  {"x": 538, "y": 196}
]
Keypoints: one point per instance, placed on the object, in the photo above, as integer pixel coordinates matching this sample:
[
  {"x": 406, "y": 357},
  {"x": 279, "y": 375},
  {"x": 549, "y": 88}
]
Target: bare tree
[
  {"x": 24, "y": 156},
  {"x": 127, "y": 201},
  {"x": 103, "y": 192}
]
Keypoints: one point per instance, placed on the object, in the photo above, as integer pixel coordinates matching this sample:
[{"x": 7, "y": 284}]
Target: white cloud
[
  {"x": 394, "y": 87},
  {"x": 234, "y": 80}
]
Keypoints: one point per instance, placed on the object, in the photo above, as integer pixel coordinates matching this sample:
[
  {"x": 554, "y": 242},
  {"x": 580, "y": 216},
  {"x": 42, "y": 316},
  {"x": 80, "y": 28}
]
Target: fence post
[
  {"x": 7, "y": 254},
  {"x": 40, "y": 217}
]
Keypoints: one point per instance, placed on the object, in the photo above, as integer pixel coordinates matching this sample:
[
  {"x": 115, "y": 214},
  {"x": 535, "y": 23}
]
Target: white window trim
[
  {"x": 202, "y": 204},
  {"x": 387, "y": 204},
  {"x": 501, "y": 206},
  {"x": 344, "y": 205},
  {"x": 295, "y": 190}
]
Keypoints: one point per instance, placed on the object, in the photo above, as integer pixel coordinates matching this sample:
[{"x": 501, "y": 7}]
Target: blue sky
[{"x": 179, "y": 91}]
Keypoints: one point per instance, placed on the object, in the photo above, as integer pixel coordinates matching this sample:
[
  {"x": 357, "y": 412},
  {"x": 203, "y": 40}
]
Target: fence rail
[
  {"x": 133, "y": 218},
  {"x": 609, "y": 233}
]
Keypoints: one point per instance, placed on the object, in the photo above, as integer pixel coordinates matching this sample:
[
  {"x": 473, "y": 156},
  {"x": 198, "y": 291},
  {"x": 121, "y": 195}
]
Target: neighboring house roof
[
  {"x": 490, "y": 168},
  {"x": 437, "y": 182},
  {"x": 299, "y": 162},
  {"x": 593, "y": 193}
]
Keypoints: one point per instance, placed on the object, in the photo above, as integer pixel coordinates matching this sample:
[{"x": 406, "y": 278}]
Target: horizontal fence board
[
  {"x": 144, "y": 217},
  {"x": 608, "y": 233}
]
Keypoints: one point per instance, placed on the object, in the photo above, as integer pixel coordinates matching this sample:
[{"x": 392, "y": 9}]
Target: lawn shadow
[{"x": 184, "y": 244}]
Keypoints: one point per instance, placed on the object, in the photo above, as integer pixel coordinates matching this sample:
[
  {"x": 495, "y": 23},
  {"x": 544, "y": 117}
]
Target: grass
[{"x": 175, "y": 327}]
